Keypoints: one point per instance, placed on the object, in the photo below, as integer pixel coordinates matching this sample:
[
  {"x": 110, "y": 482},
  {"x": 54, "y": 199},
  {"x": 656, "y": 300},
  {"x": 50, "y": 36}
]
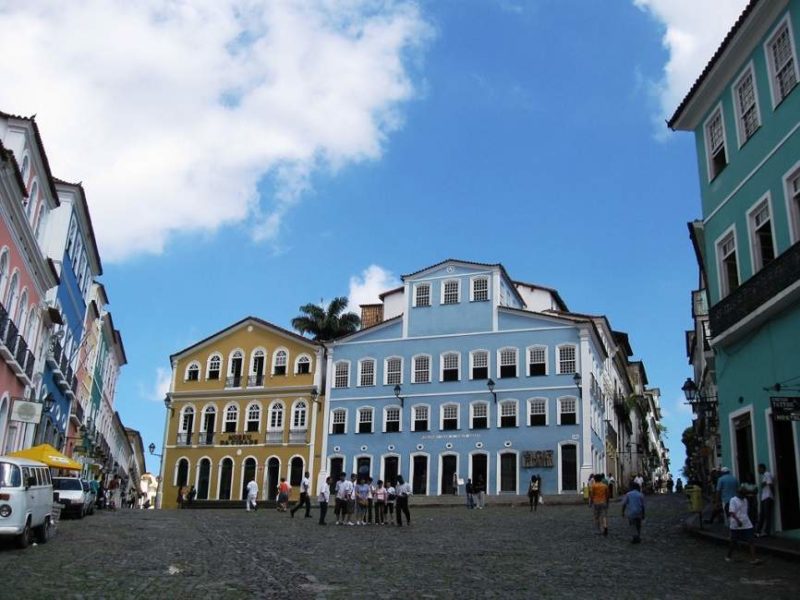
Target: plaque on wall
[{"x": 537, "y": 459}]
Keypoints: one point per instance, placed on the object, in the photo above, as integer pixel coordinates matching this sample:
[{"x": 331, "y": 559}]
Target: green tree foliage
[{"x": 324, "y": 325}]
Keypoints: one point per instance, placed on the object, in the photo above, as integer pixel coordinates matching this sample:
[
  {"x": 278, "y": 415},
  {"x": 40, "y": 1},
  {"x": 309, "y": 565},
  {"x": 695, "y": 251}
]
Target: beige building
[{"x": 244, "y": 404}]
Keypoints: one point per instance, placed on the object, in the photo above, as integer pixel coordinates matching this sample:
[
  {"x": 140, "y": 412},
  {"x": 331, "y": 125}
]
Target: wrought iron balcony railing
[
  {"x": 274, "y": 437},
  {"x": 184, "y": 439},
  {"x": 255, "y": 380},
  {"x": 205, "y": 438},
  {"x": 297, "y": 436},
  {"x": 234, "y": 381}
]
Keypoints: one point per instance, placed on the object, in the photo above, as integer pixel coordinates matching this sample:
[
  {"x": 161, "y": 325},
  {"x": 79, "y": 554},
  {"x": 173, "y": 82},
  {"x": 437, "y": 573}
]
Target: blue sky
[{"x": 338, "y": 148}]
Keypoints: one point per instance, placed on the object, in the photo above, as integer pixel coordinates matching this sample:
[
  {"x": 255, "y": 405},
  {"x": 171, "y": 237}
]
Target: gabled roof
[
  {"x": 713, "y": 62},
  {"x": 390, "y": 292},
  {"x": 369, "y": 329},
  {"x": 567, "y": 316},
  {"x": 257, "y": 321},
  {"x": 8, "y": 155},
  {"x": 621, "y": 338},
  {"x": 556, "y": 295},
  {"x": 470, "y": 263},
  {"x": 42, "y": 152},
  {"x": 83, "y": 208}
]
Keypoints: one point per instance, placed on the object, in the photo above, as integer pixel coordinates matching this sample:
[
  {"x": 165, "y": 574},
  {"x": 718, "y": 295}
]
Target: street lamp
[
  {"x": 152, "y": 448},
  {"x": 577, "y": 380},
  {"x": 314, "y": 394},
  {"x": 490, "y": 385},
  {"x": 694, "y": 396},
  {"x": 397, "y": 390}
]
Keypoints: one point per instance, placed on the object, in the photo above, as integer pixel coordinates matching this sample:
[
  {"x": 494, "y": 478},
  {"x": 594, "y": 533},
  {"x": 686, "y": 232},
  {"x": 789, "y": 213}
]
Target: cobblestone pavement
[{"x": 447, "y": 552}]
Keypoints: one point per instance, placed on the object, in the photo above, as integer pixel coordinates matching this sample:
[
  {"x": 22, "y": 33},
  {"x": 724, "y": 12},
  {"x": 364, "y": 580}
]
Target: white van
[{"x": 26, "y": 500}]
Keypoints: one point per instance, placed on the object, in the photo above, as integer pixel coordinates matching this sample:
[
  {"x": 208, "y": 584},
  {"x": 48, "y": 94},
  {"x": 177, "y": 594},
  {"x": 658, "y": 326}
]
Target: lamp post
[
  {"x": 577, "y": 379},
  {"x": 314, "y": 394},
  {"x": 152, "y": 449},
  {"x": 704, "y": 405},
  {"x": 397, "y": 390},
  {"x": 490, "y": 385}
]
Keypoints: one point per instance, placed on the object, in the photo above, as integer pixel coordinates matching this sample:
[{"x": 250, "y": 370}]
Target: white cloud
[
  {"x": 694, "y": 31},
  {"x": 160, "y": 386},
  {"x": 171, "y": 112},
  {"x": 364, "y": 289}
]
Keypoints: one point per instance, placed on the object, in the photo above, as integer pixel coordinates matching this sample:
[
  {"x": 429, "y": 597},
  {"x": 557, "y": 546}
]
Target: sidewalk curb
[{"x": 762, "y": 546}]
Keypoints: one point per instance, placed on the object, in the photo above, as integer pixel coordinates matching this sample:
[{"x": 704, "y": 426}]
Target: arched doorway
[
  {"x": 203, "y": 479},
  {"x": 363, "y": 467},
  {"x": 446, "y": 472},
  {"x": 419, "y": 484},
  {"x": 508, "y": 472},
  {"x": 248, "y": 474},
  {"x": 480, "y": 475},
  {"x": 337, "y": 468},
  {"x": 182, "y": 474},
  {"x": 273, "y": 474},
  {"x": 296, "y": 471},
  {"x": 225, "y": 479},
  {"x": 391, "y": 469},
  {"x": 569, "y": 468}
]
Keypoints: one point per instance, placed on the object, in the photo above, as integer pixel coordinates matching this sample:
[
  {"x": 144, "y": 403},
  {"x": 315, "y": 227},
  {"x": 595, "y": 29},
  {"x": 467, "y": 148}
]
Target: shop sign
[
  {"x": 539, "y": 459},
  {"x": 239, "y": 439},
  {"x": 26, "y": 412},
  {"x": 785, "y": 408}
]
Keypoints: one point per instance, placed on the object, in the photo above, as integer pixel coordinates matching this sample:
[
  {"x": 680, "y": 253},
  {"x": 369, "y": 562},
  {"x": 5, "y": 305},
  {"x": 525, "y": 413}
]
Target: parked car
[
  {"x": 91, "y": 497},
  {"x": 26, "y": 500},
  {"x": 71, "y": 495}
]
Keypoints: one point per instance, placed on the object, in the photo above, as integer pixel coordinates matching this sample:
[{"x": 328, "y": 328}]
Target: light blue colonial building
[
  {"x": 462, "y": 373},
  {"x": 744, "y": 111}
]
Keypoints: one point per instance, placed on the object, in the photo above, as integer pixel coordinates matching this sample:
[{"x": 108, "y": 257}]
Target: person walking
[
  {"x": 740, "y": 525},
  {"x": 533, "y": 492},
  {"x": 611, "y": 485},
  {"x": 767, "y": 502},
  {"x": 633, "y": 503},
  {"x": 323, "y": 497},
  {"x": 598, "y": 500},
  {"x": 181, "y": 496},
  {"x": 252, "y": 495},
  {"x": 403, "y": 493},
  {"x": 305, "y": 499},
  {"x": 283, "y": 495},
  {"x": 727, "y": 486},
  {"x": 470, "y": 491}
]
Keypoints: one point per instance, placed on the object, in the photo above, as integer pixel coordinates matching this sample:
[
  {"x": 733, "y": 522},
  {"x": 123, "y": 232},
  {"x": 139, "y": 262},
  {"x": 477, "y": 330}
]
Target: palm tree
[{"x": 326, "y": 325}]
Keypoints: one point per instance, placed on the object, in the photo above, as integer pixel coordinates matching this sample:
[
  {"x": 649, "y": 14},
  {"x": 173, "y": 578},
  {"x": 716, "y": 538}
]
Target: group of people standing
[{"x": 366, "y": 501}]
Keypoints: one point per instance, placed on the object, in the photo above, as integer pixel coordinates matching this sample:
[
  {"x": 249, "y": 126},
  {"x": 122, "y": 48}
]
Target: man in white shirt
[
  {"x": 349, "y": 500},
  {"x": 252, "y": 495},
  {"x": 305, "y": 499},
  {"x": 640, "y": 481},
  {"x": 740, "y": 525},
  {"x": 323, "y": 499},
  {"x": 767, "y": 502}
]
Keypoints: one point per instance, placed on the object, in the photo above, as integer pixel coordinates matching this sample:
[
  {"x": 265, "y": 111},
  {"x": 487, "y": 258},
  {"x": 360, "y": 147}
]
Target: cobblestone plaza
[{"x": 448, "y": 552}]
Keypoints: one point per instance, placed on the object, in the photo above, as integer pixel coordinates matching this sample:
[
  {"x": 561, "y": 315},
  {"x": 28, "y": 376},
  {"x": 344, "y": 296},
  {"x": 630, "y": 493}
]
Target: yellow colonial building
[{"x": 243, "y": 404}]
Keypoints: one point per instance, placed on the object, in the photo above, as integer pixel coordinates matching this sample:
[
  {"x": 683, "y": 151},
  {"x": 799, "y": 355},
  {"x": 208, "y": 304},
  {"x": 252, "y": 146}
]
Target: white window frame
[
  {"x": 443, "y": 287},
  {"x": 226, "y": 420},
  {"x": 500, "y": 360},
  {"x": 386, "y": 370},
  {"x": 755, "y": 247},
  {"x": 255, "y": 354},
  {"x": 707, "y": 142},
  {"x": 361, "y": 372},
  {"x": 275, "y": 364},
  {"x": 559, "y": 370},
  {"x": 528, "y": 362},
  {"x": 441, "y": 365},
  {"x": 297, "y": 362},
  {"x": 240, "y": 356},
  {"x": 577, "y": 411},
  {"x": 208, "y": 365},
  {"x": 362, "y": 410},
  {"x": 247, "y": 420},
  {"x": 208, "y": 409},
  {"x": 722, "y": 280},
  {"x": 472, "y": 282},
  {"x": 334, "y": 412},
  {"x": 275, "y": 407},
  {"x": 415, "y": 298},
  {"x": 414, "y": 367},
  {"x": 507, "y": 402},
  {"x": 538, "y": 400},
  {"x": 773, "y": 75},
  {"x": 189, "y": 408},
  {"x": 194, "y": 363},
  {"x": 299, "y": 408},
  {"x": 472, "y": 406},
  {"x": 399, "y": 410},
  {"x": 741, "y": 129},
  {"x": 414, "y": 416},
  {"x": 792, "y": 207},
  {"x": 336, "y": 366},
  {"x": 442, "y": 408},
  {"x": 472, "y": 363}
]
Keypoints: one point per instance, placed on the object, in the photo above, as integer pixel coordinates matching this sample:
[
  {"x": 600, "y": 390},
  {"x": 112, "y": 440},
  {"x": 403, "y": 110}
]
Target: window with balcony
[
  {"x": 393, "y": 370},
  {"x": 339, "y": 421},
  {"x": 508, "y": 362},
  {"x": 508, "y": 413},
  {"x": 480, "y": 415},
  {"x": 422, "y": 369},
  {"x": 792, "y": 182},
  {"x": 235, "y": 369},
  {"x": 258, "y": 368},
  {"x": 451, "y": 366},
  {"x": 420, "y": 418},
  {"x": 365, "y": 420},
  {"x": 186, "y": 426},
  {"x": 392, "y": 419},
  {"x": 253, "y": 417},
  {"x": 480, "y": 289},
  {"x": 366, "y": 368},
  {"x": 450, "y": 417},
  {"x": 537, "y": 361},
  {"x": 761, "y": 242},
  {"x": 276, "y": 416},
  {"x": 538, "y": 412},
  {"x": 422, "y": 294},
  {"x": 300, "y": 415}
]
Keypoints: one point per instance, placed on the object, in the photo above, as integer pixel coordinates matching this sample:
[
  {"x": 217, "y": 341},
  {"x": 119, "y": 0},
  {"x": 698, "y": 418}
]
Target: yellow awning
[{"x": 50, "y": 456}]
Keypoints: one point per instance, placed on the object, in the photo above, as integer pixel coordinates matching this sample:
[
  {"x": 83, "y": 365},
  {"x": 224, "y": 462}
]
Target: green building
[{"x": 744, "y": 110}]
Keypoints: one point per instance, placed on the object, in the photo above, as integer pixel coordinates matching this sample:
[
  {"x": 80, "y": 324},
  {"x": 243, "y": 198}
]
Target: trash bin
[{"x": 695, "y": 495}]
